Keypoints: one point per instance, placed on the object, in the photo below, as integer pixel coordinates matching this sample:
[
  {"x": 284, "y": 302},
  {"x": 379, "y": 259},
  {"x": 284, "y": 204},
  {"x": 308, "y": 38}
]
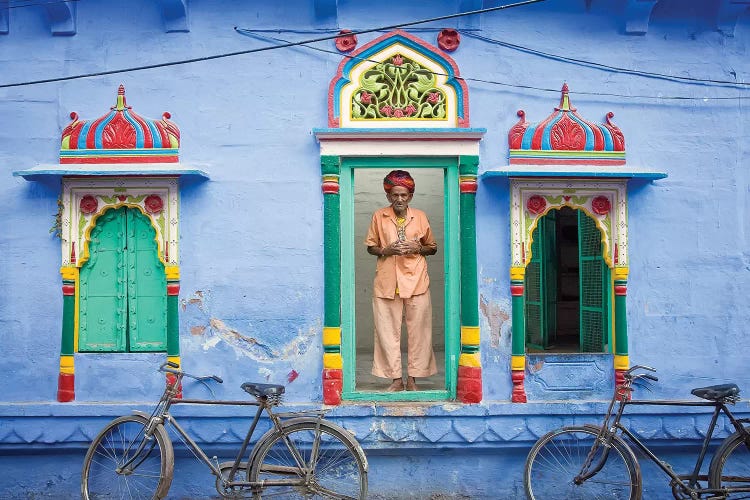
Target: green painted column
[
  {"x": 330, "y": 170},
  {"x": 469, "y": 383}
]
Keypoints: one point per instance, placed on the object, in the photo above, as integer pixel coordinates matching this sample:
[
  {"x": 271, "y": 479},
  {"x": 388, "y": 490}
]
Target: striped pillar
[
  {"x": 518, "y": 345},
  {"x": 333, "y": 375},
  {"x": 469, "y": 383},
  {"x": 622, "y": 362},
  {"x": 173, "y": 323},
  {"x": 66, "y": 378}
]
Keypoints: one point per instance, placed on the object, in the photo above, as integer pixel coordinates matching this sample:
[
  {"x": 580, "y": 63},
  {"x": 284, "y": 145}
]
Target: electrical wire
[
  {"x": 23, "y": 5},
  {"x": 263, "y": 49},
  {"x": 254, "y": 33},
  {"x": 686, "y": 79}
]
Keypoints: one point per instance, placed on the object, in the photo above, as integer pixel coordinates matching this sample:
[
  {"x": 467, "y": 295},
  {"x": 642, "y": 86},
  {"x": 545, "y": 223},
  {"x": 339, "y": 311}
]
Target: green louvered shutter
[
  {"x": 146, "y": 285},
  {"x": 541, "y": 285},
  {"x": 593, "y": 287},
  {"x": 102, "y": 296},
  {"x": 549, "y": 267}
]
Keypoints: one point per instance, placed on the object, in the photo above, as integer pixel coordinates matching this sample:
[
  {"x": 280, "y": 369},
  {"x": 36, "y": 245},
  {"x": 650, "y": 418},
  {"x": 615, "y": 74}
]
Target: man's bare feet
[
  {"x": 396, "y": 385},
  {"x": 411, "y": 384}
]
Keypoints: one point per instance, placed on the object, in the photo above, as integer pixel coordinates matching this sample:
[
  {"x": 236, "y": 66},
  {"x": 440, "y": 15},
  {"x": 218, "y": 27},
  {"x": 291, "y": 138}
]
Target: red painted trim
[
  {"x": 173, "y": 288},
  {"x": 121, "y": 159},
  {"x": 148, "y": 139},
  {"x": 519, "y": 393},
  {"x": 565, "y": 161},
  {"x": 330, "y": 188},
  {"x": 516, "y": 290},
  {"x": 68, "y": 289},
  {"x": 66, "y": 387},
  {"x": 468, "y": 187},
  {"x": 621, "y": 290},
  {"x": 469, "y": 384},
  {"x": 332, "y": 386}
]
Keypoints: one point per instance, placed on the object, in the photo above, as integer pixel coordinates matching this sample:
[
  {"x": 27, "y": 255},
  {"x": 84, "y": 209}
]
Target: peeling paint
[
  {"x": 292, "y": 376},
  {"x": 497, "y": 314},
  {"x": 197, "y": 330}
]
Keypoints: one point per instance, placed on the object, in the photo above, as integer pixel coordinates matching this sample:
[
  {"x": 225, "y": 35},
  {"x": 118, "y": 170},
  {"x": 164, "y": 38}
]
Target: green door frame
[{"x": 452, "y": 249}]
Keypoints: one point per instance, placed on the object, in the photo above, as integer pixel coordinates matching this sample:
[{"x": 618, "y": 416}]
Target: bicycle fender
[{"x": 141, "y": 414}]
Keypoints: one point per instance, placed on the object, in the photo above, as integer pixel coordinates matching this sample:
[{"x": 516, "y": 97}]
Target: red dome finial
[
  {"x": 121, "y": 103},
  {"x": 121, "y": 89}
]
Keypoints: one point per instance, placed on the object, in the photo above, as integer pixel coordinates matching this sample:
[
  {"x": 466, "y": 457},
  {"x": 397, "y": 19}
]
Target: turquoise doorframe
[{"x": 452, "y": 249}]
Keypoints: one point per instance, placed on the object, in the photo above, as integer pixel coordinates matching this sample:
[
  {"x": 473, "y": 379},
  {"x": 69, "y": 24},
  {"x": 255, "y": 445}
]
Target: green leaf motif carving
[
  {"x": 136, "y": 199},
  {"x": 554, "y": 200},
  {"x": 580, "y": 200},
  {"x": 109, "y": 200},
  {"x": 398, "y": 88}
]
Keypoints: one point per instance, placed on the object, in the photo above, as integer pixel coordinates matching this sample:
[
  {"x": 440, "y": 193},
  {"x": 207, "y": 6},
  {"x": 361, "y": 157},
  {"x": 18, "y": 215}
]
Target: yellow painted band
[
  {"x": 621, "y": 273},
  {"x": 331, "y": 335},
  {"x": 622, "y": 362},
  {"x": 69, "y": 273},
  {"x": 518, "y": 363},
  {"x": 517, "y": 273},
  {"x": 333, "y": 360},
  {"x": 471, "y": 360},
  {"x": 67, "y": 365},
  {"x": 174, "y": 359},
  {"x": 172, "y": 272},
  {"x": 470, "y": 335}
]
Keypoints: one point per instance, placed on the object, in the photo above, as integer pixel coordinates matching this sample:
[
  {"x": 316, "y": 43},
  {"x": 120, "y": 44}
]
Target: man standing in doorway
[{"x": 400, "y": 236}]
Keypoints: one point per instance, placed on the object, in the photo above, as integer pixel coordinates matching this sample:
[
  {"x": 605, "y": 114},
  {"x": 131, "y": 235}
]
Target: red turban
[{"x": 398, "y": 178}]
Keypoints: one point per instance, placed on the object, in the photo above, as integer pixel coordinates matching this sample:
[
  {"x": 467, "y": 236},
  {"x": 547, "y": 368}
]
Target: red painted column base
[
  {"x": 171, "y": 380},
  {"x": 333, "y": 380},
  {"x": 519, "y": 393},
  {"x": 66, "y": 387},
  {"x": 619, "y": 380},
  {"x": 469, "y": 384}
]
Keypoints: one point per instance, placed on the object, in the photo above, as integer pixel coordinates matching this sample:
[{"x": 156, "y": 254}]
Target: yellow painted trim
[
  {"x": 76, "y": 320},
  {"x": 518, "y": 363},
  {"x": 621, "y": 273},
  {"x": 69, "y": 273},
  {"x": 175, "y": 359},
  {"x": 622, "y": 362},
  {"x": 331, "y": 335},
  {"x": 332, "y": 360},
  {"x": 469, "y": 335},
  {"x": 172, "y": 272},
  {"x": 517, "y": 273},
  {"x": 67, "y": 365},
  {"x": 471, "y": 360}
]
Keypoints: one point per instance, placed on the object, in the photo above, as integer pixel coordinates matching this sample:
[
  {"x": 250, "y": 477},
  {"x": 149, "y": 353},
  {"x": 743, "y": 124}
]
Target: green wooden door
[
  {"x": 593, "y": 287},
  {"x": 541, "y": 285},
  {"x": 122, "y": 294}
]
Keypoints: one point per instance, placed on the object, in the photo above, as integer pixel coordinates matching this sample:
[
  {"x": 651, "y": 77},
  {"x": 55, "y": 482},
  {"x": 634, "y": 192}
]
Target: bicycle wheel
[
  {"x": 730, "y": 466},
  {"x": 557, "y": 458},
  {"x": 149, "y": 475},
  {"x": 337, "y": 469}
]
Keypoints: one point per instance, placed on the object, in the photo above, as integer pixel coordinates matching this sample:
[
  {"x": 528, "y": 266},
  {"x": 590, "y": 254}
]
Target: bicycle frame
[
  {"x": 608, "y": 430},
  {"x": 166, "y": 417}
]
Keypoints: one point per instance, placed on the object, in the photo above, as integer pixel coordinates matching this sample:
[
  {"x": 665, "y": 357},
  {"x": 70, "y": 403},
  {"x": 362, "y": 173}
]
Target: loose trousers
[{"x": 389, "y": 315}]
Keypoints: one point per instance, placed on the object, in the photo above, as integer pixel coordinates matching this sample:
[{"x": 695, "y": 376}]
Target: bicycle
[
  {"x": 301, "y": 455},
  {"x": 595, "y": 461}
]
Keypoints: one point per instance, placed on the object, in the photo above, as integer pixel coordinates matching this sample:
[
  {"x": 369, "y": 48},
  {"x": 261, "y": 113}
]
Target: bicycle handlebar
[{"x": 174, "y": 368}]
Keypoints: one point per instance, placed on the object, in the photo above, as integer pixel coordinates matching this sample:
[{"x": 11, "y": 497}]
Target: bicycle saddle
[
  {"x": 261, "y": 390},
  {"x": 717, "y": 392}
]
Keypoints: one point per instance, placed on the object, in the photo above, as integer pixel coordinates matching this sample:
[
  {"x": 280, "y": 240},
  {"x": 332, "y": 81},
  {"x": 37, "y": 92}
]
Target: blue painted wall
[{"x": 251, "y": 236}]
